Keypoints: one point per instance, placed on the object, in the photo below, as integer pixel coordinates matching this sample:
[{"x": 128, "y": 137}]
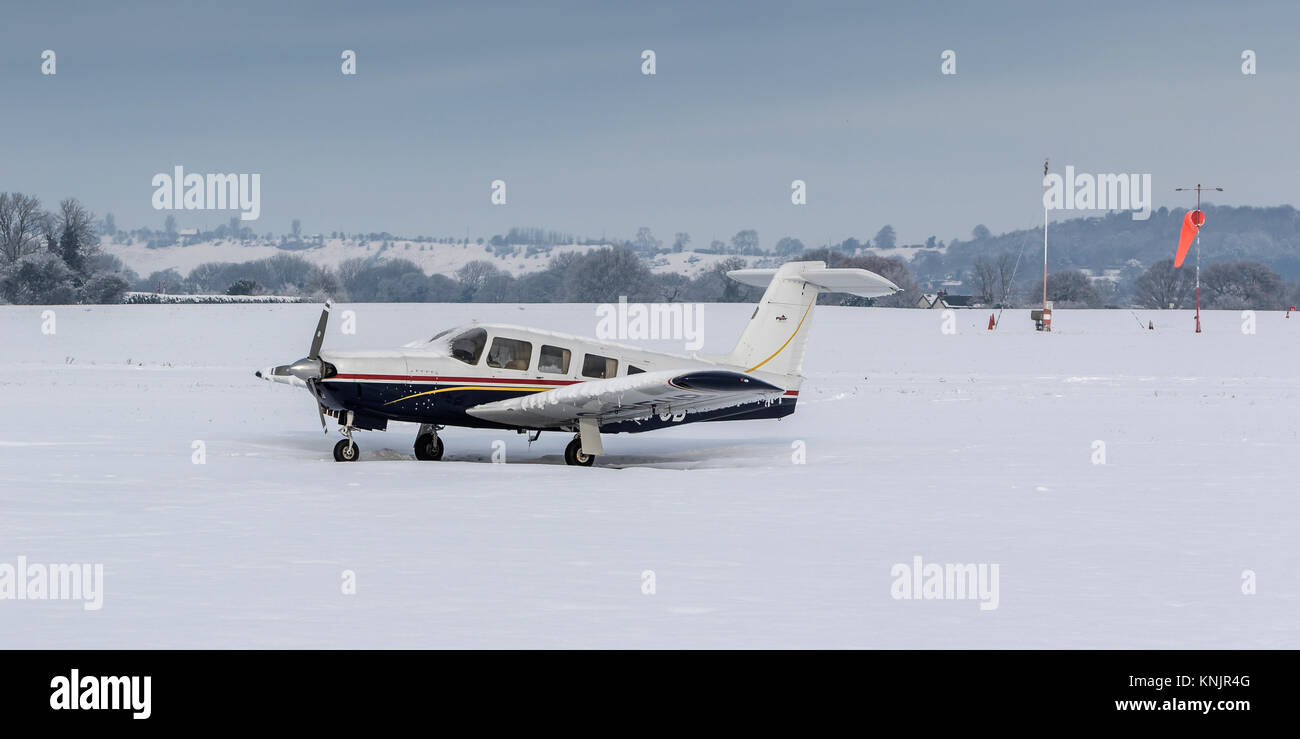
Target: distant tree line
[
  {"x": 1249, "y": 255},
  {"x": 600, "y": 275},
  {"x": 1103, "y": 261}
]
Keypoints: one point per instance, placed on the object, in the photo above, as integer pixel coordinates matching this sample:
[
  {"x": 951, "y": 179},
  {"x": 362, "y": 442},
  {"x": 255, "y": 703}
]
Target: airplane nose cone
[
  {"x": 307, "y": 368},
  {"x": 258, "y": 374}
]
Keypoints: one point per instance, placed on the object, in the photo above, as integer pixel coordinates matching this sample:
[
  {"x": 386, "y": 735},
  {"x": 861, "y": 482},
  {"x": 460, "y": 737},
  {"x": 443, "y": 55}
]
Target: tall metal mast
[
  {"x": 1198, "y": 190},
  {"x": 1044, "y": 236}
]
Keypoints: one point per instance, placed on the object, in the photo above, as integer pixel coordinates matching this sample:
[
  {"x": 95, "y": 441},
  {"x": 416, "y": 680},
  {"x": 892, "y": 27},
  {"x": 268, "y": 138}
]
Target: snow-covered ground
[
  {"x": 976, "y": 447},
  {"x": 433, "y": 258}
]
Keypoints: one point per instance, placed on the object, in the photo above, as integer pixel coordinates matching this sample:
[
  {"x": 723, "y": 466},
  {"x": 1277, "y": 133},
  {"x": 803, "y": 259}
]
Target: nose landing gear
[{"x": 346, "y": 450}]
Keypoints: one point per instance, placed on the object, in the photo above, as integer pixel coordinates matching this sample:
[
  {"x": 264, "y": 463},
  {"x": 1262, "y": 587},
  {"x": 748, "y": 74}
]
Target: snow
[
  {"x": 435, "y": 258},
  {"x": 144, "y": 297},
  {"x": 906, "y": 253},
  {"x": 976, "y": 447}
]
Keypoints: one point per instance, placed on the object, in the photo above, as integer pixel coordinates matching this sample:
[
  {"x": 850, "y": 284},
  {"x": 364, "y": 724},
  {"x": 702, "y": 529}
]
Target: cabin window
[
  {"x": 511, "y": 354},
  {"x": 553, "y": 359},
  {"x": 632, "y": 369},
  {"x": 468, "y": 346},
  {"x": 594, "y": 365}
]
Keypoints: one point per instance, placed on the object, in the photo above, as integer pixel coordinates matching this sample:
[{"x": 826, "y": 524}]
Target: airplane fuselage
[{"x": 434, "y": 382}]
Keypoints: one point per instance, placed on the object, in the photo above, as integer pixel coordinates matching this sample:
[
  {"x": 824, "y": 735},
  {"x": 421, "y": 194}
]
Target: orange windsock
[{"x": 1192, "y": 223}]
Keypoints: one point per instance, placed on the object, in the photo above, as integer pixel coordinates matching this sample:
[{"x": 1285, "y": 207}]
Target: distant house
[{"x": 942, "y": 300}]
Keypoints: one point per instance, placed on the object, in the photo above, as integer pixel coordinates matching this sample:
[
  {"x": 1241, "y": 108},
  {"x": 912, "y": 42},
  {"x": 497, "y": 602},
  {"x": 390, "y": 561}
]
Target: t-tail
[{"x": 777, "y": 334}]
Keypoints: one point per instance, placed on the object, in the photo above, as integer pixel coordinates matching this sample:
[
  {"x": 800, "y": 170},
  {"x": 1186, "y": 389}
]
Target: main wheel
[
  {"x": 428, "y": 447},
  {"x": 346, "y": 451},
  {"x": 573, "y": 454}
]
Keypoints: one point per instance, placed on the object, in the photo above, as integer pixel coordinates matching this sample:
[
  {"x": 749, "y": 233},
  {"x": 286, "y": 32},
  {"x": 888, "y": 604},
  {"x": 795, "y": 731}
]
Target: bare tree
[
  {"x": 993, "y": 278},
  {"x": 1006, "y": 273},
  {"x": 474, "y": 276},
  {"x": 21, "y": 222},
  {"x": 745, "y": 242},
  {"x": 1242, "y": 284},
  {"x": 323, "y": 282},
  {"x": 78, "y": 241},
  {"x": 1070, "y": 288},
  {"x": 886, "y": 238},
  {"x": 1162, "y": 286},
  {"x": 985, "y": 278},
  {"x": 50, "y": 232},
  {"x": 732, "y": 291},
  {"x": 604, "y": 275}
]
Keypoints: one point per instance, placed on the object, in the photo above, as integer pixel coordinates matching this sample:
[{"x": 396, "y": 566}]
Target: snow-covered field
[
  {"x": 977, "y": 447},
  {"x": 432, "y": 258}
]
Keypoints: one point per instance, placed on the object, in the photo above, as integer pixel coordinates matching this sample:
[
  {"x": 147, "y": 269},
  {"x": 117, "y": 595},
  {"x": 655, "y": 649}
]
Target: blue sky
[{"x": 550, "y": 98}]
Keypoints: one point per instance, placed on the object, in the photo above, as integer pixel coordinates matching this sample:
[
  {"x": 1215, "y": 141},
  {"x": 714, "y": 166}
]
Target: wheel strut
[{"x": 346, "y": 450}]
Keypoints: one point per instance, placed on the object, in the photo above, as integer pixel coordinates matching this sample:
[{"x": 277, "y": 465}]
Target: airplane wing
[{"x": 629, "y": 398}]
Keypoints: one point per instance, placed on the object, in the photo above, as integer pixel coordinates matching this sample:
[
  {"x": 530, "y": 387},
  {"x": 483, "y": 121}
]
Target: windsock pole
[
  {"x": 1047, "y": 317},
  {"x": 1198, "y": 190}
]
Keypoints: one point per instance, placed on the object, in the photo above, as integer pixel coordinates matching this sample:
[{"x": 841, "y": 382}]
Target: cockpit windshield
[{"x": 468, "y": 346}]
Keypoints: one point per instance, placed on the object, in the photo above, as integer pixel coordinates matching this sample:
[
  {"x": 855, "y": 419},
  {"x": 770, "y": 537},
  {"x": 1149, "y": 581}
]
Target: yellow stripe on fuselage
[{"x": 470, "y": 387}]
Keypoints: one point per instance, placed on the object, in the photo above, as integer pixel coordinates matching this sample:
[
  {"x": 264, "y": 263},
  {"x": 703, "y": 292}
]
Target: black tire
[
  {"x": 573, "y": 455},
  {"x": 428, "y": 448},
  {"x": 346, "y": 451}
]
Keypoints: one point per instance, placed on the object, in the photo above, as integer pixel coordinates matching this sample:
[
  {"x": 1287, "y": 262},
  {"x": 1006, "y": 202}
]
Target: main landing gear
[
  {"x": 428, "y": 446},
  {"x": 573, "y": 454},
  {"x": 346, "y": 450}
]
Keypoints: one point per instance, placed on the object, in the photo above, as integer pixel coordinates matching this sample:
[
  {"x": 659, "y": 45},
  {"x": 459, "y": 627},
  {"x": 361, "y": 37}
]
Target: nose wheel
[{"x": 346, "y": 450}]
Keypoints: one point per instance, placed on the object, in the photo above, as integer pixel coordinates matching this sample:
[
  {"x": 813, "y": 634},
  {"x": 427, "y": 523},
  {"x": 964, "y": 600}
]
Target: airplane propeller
[{"x": 310, "y": 368}]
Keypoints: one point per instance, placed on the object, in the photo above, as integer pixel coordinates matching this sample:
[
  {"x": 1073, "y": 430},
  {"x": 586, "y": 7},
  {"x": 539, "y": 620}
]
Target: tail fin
[{"x": 777, "y": 333}]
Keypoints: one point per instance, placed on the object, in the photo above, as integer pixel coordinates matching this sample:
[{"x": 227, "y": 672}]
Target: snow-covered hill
[
  {"x": 433, "y": 258},
  {"x": 973, "y": 447}
]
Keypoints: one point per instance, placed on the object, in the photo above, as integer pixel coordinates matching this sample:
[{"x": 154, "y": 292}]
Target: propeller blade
[
  {"x": 319, "y": 338},
  {"x": 319, "y": 409}
]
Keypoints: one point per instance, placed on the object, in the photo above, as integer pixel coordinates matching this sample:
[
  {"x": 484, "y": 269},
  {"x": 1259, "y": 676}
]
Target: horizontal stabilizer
[{"x": 861, "y": 282}]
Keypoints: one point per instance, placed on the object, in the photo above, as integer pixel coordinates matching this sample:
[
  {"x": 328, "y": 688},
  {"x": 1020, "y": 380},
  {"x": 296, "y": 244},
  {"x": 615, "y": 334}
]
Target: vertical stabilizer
[{"x": 777, "y": 333}]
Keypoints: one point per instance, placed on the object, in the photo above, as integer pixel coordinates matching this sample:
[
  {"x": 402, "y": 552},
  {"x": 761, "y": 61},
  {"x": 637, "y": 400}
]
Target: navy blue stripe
[{"x": 373, "y": 400}]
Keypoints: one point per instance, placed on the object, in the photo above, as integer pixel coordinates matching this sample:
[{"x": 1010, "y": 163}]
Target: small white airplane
[{"x": 529, "y": 380}]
